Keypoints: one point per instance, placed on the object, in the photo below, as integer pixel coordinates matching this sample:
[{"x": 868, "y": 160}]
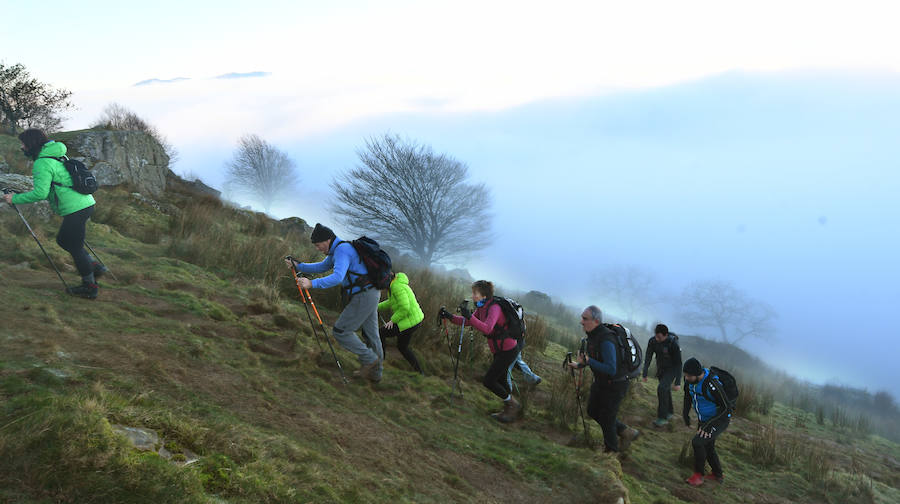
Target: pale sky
[{"x": 334, "y": 62}]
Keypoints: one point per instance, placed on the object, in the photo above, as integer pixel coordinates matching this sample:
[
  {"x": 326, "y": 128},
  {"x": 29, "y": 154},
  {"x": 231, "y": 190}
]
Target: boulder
[
  {"x": 23, "y": 183},
  {"x": 121, "y": 157}
]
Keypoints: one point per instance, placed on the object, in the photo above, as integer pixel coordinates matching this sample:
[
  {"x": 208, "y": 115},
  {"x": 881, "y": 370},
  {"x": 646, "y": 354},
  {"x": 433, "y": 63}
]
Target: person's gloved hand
[
  {"x": 444, "y": 314},
  {"x": 465, "y": 312}
]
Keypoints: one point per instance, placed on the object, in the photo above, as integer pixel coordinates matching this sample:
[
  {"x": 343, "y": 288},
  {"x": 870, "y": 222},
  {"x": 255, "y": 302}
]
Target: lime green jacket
[
  {"x": 402, "y": 301},
  {"x": 63, "y": 200}
]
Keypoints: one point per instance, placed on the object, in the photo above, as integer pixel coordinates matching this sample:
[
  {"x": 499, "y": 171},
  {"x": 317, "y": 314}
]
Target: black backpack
[
  {"x": 376, "y": 261},
  {"x": 729, "y": 385},
  {"x": 629, "y": 356},
  {"x": 515, "y": 318},
  {"x": 83, "y": 181}
]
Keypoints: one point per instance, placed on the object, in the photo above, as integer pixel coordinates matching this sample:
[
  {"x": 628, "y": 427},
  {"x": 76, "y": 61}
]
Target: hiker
[
  {"x": 664, "y": 345},
  {"x": 406, "y": 317},
  {"x": 361, "y": 309},
  {"x": 489, "y": 320},
  {"x": 52, "y": 182},
  {"x": 706, "y": 393},
  {"x": 610, "y": 385}
]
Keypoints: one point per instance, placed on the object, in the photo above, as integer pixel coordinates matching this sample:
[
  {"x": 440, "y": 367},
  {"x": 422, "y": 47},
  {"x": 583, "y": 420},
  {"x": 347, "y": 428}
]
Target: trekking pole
[
  {"x": 308, "y": 316},
  {"x": 456, "y": 366},
  {"x": 322, "y": 326},
  {"x": 587, "y": 436},
  {"x": 100, "y": 260},
  {"x": 8, "y": 191},
  {"x": 443, "y": 322}
]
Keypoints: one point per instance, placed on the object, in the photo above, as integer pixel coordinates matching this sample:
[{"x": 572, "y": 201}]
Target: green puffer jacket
[
  {"x": 402, "y": 301},
  {"x": 63, "y": 200}
]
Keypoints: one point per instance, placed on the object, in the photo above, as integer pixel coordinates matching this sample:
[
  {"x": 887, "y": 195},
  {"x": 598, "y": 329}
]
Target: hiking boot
[
  {"x": 537, "y": 382},
  {"x": 719, "y": 479},
  {"x": 660, "y": 422},
  {"x": 627, "y": 437},
  {"x": 85, "y": 290},
  {"x": 99, "y": 269},
  {"x": 696, "y": 480},
  {"x": 510, "y": 411},
  {"x": 366, "y": 370}
]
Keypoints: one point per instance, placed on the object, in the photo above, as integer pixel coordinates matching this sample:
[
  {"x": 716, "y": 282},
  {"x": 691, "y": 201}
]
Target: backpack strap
[{"x": 353, "y": 283}]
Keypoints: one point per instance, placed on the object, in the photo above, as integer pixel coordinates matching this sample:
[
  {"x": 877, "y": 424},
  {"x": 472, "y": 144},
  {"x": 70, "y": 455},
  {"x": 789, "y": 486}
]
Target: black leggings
[
  {"x": 71, "y": 238},
  {"x": 495, "y": 379},
  {"x": 403, "y": 338},
  {"x": 705, "y": 449}
]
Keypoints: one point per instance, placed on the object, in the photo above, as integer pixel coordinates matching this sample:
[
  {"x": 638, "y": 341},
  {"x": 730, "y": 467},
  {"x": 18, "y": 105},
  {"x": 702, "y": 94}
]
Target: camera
[{"x": 464, "y": 304}]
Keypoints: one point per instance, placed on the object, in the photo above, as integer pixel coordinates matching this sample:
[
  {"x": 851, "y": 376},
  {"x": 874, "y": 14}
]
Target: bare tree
[
  {"x": 118, "y": 117},
  {"x": 631, "y": 288},
  {"x": 408, "y": 196},
  {"x": 721, "y": 305},
  {"x": 261, "y": 172},
  {"x": 25, "y": 102}
]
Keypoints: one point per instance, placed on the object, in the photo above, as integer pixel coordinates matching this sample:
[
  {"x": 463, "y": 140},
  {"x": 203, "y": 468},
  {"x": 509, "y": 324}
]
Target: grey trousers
[{"x": 361, "y": 313}]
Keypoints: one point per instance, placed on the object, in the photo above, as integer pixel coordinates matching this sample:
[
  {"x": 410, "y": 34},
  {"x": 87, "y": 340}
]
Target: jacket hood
[
  {"x": 53, "y": 149},
  {"x": 401, "y": 278}
]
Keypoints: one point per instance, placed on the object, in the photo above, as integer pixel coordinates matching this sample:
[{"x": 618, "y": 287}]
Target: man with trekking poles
[
  {"x": 359, "y": 291},
  {"x": 602, "y": 351}
]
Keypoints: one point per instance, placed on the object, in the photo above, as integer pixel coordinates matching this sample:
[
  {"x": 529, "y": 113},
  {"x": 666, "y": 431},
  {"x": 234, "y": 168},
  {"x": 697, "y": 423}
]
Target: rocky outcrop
[{"x": 121, "y": 157}]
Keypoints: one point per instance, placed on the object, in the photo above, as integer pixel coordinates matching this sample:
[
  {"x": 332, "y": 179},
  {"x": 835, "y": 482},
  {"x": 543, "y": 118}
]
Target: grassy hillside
[{"x": 202, "y": 339}]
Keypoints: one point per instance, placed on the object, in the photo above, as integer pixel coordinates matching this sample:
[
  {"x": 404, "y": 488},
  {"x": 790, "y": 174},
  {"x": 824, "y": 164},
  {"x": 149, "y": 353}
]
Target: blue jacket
[
  {"x": 346, "y": 265},
  {"x": 707, "y": 397}
]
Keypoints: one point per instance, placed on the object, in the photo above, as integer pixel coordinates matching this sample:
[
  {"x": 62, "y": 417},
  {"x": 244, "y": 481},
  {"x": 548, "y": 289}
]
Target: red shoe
[
  {"x": 696, "y": 480},
  {"x": 712, "y": 476}
]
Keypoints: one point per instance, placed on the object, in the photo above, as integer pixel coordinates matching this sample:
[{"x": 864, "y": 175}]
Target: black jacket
[{"x": 668, "y": 356}]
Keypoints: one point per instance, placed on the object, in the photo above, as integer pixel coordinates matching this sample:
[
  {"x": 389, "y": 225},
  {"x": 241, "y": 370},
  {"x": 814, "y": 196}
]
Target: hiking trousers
[
  {"x": 530, "y": 377},
  {"x": 664, "y": 392},
  {"x": 705, "y": 449},
  {"x": 71, "y": 239},
  {"x": 403, "y": 338},
  {"x": 496, "y": 378},
  {"x": 603, "y": 407},
  {"x": 361, "y": 313}
]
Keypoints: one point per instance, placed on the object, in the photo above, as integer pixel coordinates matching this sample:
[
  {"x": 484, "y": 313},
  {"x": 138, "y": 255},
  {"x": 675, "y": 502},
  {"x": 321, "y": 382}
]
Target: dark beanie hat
[
  {"x": 321, "y": 233},
  {"x": 692, "y": 367}
]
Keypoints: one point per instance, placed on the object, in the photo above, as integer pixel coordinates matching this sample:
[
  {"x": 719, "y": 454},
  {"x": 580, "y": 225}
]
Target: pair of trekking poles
[
  {"x": 27, "y": 226},
  {"x": 456, "y": 383},
  {"x": 577, "y": 383},
  {"x": 307, "y": 299}
]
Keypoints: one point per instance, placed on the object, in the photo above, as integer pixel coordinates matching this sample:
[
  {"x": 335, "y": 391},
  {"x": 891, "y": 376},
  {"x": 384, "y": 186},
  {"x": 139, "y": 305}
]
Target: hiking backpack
[
  {"x": 376, "y": 261},
  {"x": 729, "y": 385},
  {"x": 629, "y": 355},
  {"x": 83, "y": 180},
  {"x": 515, "y": 318}
]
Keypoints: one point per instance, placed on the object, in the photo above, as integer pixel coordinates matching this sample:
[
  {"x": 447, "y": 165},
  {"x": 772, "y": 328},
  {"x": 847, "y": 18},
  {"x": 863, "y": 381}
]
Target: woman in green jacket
[
  {"x": 53, "y": 183},
  {"x": 407, "y": 316}
]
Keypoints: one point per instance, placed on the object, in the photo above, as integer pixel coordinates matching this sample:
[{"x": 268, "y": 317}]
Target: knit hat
[
  {"x": 321, "y": 233},
  {"x": 692, "y": 367}
]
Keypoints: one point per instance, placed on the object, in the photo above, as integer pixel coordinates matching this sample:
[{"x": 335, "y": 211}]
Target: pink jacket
[{"x": 490, "y": 321}]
